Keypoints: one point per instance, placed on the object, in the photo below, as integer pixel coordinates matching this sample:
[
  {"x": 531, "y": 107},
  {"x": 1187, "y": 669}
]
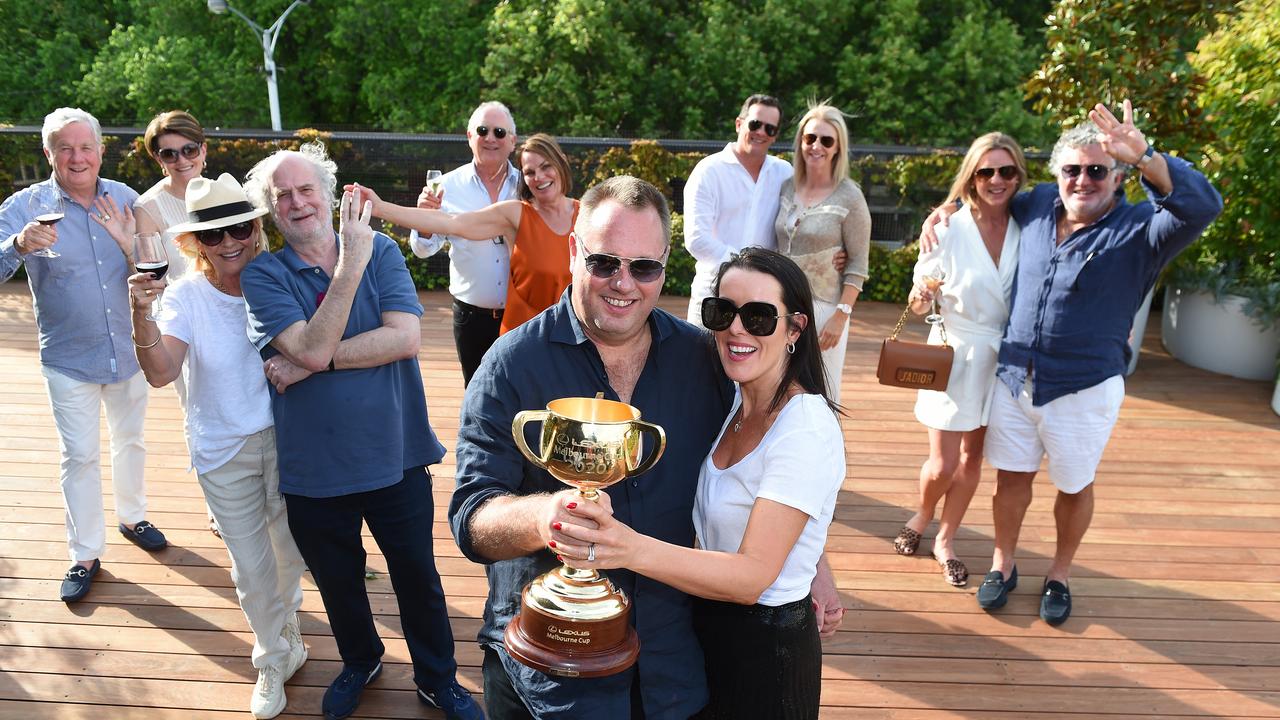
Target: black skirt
[{"x": 762, "y": 662}]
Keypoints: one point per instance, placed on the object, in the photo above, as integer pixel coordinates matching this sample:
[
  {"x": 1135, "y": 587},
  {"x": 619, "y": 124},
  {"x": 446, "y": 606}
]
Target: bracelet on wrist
[{"x": 144, "y": 347}]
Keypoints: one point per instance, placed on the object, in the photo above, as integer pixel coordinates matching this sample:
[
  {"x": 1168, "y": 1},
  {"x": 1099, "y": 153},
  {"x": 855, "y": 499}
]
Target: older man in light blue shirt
[
  {"x": 82, "y": 312},
  {"x": 478, "y": 271}
]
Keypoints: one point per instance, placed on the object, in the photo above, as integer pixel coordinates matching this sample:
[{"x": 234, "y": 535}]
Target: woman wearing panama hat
[{"x": 201, "y": 337}]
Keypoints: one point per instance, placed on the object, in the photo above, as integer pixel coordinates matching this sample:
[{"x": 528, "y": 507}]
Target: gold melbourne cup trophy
[{"x": 575, "y": 623}]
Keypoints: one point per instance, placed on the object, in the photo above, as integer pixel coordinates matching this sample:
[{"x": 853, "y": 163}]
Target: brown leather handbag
[{"x": 914, "y": 365}]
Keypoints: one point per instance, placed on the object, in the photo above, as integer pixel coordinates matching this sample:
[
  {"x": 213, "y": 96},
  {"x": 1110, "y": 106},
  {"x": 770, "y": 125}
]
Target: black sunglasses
[
  {"x": 605, "y": 266},
  {"x": 213, "y": 237},
  {"x": 169, "y": 155},
  {"x": 827, "y": 140},
  {"x": 1008, "y": 172},
  {"x": 770, "y": 130},
  {"x": 758, "y": 318},
  {"x": 498, "y": 132},
  {"x": 1095, "y": 172}
]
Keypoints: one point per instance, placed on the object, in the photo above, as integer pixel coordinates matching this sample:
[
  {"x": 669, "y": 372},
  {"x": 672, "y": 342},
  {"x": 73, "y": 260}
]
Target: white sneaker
[
  {"x": 297, "y": 649},
  {"x": 268, "y": 693}
]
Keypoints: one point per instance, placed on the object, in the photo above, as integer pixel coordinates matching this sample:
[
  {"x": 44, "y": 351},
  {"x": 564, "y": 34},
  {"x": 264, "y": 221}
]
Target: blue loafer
[
  {"x": 145, "y": 535},
  {"x": 77, "y": 581},
  {"x": 994, "y": 591},
  {"x": 454, "y": 700},
  {"x": 1055, "y": 602},
  {"x": 343, "y": 695}
]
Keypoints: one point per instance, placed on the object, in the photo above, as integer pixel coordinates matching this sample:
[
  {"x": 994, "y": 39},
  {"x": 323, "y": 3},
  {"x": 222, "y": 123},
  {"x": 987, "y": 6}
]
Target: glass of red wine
[
  {"x": 46, "y": 205},
  {"x": 149, "y": 256}
]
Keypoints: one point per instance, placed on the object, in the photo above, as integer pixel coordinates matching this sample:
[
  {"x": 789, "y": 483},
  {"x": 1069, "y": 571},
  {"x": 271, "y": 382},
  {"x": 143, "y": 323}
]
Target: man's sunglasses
[
  {"x": 1095, "y": 172},
  {"x": 605, "y": 266},
  {"x": 758, "y": 318},
  {"x": 498, "y": 132},
  {"x": 169, "y": 156},
  {"x": 826, "y": 140},
  {"x": 1008, "y": 172},
  {"x": 213, "y": 237},
  {"x": 770, "y": 130}
]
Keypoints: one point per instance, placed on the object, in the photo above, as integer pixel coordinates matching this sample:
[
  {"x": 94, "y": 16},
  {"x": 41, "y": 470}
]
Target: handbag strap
[{"x": 942, "y": 328}]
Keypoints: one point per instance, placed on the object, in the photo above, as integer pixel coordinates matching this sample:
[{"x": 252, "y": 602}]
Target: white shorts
[{"x": 1072, "y": 430}]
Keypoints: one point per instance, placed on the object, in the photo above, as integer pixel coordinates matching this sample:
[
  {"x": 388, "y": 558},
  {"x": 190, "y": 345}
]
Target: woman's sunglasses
[
  {"x": 605, "y": 266},
  {"x": 169, "y": 156},
  {"x": 1095, "y": 172},
  {"x": 213, "y": 237},
  {"x": 498, "y": 132},
  {"x": 758, "y": 318},
  {"x": 826, "y": 140},
  {"x": 755, "y": 125},
  {"x": 1008, "y": 172}
]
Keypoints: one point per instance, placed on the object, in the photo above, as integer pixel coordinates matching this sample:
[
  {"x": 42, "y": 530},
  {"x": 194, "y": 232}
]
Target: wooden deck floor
[{"x": 1177, "y": 587}]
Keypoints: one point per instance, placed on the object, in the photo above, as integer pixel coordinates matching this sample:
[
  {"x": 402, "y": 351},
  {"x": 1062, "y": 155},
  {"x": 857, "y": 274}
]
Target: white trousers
[
  {"x": 244, "y": 495},
  {"x": 832, "y": 358},
  {"x": 76, "y": 412}
]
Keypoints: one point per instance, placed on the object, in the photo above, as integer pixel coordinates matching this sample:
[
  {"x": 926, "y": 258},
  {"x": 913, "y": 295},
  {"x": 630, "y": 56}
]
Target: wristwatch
[
  {"x": 845, "y": 308},
  {"x": 1146, "y": 156}
]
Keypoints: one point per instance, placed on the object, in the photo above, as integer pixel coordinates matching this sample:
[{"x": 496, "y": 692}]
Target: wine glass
[
  {"x": 933, "y": 281},
  {"x": 433, "y": 181},
  {"x": 149, "y": 256},
  {"x": 45, "y": 203}
]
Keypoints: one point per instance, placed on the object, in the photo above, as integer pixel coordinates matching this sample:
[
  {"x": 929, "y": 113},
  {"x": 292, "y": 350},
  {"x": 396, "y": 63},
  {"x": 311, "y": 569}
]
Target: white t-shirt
[
  {"x": 725, "y": 210},
  {"x": 227, "y": 394},
  {"x": 799, "y": 463}
]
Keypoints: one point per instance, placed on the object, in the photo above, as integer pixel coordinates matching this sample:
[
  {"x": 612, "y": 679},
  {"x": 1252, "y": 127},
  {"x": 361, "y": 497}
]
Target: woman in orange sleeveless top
[{"x": 540, "y": 222}]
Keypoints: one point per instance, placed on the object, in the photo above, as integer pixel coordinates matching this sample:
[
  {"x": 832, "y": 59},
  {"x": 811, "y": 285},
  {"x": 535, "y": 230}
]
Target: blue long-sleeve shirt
[
  {"x": 81, "y": 297},
  {"x": 1073, "y": 303}
]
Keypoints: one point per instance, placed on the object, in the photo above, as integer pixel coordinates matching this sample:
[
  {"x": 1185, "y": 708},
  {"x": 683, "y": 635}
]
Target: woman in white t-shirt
[
  {"x": 765, "y": 497},
  {"x": 200, "y": 336}
]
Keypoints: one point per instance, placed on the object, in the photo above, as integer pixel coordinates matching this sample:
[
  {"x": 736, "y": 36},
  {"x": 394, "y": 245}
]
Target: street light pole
[{"x": 269, "y": 36}]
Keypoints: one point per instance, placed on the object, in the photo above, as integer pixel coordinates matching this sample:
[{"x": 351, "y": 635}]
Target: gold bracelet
[{"x": 144, "y": 347}]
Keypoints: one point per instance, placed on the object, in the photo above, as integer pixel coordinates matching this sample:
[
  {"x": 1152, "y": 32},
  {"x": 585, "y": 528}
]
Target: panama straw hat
[{"x": 216, "y": 204}]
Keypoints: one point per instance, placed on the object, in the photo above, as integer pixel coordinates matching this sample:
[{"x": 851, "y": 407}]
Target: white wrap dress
[{"x": 974, "y": 303}]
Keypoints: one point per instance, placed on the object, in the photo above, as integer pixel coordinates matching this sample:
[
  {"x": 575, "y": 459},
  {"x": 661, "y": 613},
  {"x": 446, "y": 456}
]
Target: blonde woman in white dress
[{"x": 978, "y": 262}]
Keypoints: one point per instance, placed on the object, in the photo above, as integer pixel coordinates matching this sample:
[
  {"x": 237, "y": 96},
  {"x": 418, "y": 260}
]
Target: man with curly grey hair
[{"x": 337, "y": 319}]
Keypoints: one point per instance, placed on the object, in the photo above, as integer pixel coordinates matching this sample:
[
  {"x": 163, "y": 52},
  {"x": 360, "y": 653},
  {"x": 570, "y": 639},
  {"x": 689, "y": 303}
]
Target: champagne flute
[
  {"x": 46, "y": 205},
  {"x": 149, "y": 256},
  {"x": 433, "y": 181},
  {"x": 933, "y": 281}
]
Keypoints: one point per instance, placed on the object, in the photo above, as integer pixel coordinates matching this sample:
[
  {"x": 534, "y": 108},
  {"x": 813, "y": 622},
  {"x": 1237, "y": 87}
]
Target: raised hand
[
  {"x": 1121, "y": 140},
  {"x": 119, "y": 222},
  {"x": 428, "y": 200},
  {"x": 143, "y": 291},
  {"x": 354, "y": 213}
]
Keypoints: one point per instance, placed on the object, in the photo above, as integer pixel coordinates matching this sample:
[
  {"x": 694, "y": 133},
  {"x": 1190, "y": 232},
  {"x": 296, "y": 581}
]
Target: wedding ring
[
  {"x": 106, "y": 218},
  {"x": 591, "y": 552},
  {"x": 149, "y": 293}
]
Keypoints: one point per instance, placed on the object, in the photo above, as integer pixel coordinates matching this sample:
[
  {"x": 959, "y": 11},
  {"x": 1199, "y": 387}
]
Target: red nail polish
[
  {"x": 572, "y": 505},
  {"x": 552, "y": 543},
  {"x": 555, "y": 526},
  {"x": 560, "y": 558}
]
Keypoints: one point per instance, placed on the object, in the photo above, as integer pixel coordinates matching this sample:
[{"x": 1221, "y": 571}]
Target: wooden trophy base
[{"x": 565, "y": 645}]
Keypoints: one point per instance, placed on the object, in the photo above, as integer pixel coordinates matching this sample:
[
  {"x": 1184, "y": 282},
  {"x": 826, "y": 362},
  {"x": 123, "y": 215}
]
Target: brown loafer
[{"x": 907, "y": 542}]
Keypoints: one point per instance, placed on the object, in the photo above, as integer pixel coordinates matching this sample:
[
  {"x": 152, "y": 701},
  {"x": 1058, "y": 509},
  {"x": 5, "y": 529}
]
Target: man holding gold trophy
[{"x": 608, "y": 367}]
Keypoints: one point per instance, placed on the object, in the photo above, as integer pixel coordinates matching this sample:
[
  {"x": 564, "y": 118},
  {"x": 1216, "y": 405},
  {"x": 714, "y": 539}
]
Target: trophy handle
[
  {"x": 517, "y": 431},
  {"x": 660, "y": 439}
]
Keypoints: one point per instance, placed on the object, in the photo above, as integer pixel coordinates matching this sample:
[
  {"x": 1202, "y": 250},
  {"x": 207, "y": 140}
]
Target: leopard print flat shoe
[
  {"x": 955, "y": 572},
  {"x": 907, "y": 542}
]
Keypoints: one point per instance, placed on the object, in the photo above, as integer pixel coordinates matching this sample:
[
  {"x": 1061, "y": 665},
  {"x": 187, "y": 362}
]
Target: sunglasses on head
[
  {"x": 758, "y": 318},
  {"x": 498, "y": 132},
  {"x": 1008, "y": 172},
  {"x": 1095, "y": 172},
  {"x": 826, "y": 140},
  {"x": 213, "y": 236},
  {"x": 605, "y": 266},
  {"x": 770, "y": 130},
  {"x": 169, "y": 155}
]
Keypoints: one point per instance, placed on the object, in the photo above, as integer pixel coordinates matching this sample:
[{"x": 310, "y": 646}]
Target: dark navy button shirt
[
  {"x": 344, "y": 431},
  {"x": 1073, "y": 304},
  {"x": 683, "y": 389}
]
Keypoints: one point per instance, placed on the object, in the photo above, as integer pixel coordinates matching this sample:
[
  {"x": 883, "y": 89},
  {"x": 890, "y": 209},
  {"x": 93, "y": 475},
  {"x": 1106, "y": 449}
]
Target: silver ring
[
  {"x": 106, "y": 218},
  {"x": 591, "y": 552}
]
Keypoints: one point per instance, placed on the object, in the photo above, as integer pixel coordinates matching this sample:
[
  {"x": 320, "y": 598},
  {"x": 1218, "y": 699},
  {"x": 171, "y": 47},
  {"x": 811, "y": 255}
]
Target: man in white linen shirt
[
  {"x": 478, "y": 271},
  {"x": 731, "y": 198}
]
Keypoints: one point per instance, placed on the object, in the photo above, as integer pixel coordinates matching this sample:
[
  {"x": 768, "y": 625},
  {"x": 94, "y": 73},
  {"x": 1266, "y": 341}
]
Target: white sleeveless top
[{"x": 166, "y": 210}]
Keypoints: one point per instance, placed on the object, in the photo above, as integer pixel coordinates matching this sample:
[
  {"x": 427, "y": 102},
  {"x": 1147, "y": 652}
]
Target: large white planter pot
[
  {"x": 1218, "y": 336},
  {"x": 1139, "y": 329}
]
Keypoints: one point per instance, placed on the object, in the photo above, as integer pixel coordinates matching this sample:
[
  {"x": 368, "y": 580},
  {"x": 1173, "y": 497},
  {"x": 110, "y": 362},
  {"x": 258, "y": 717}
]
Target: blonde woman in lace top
[{"x": 822, "y": 212}]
